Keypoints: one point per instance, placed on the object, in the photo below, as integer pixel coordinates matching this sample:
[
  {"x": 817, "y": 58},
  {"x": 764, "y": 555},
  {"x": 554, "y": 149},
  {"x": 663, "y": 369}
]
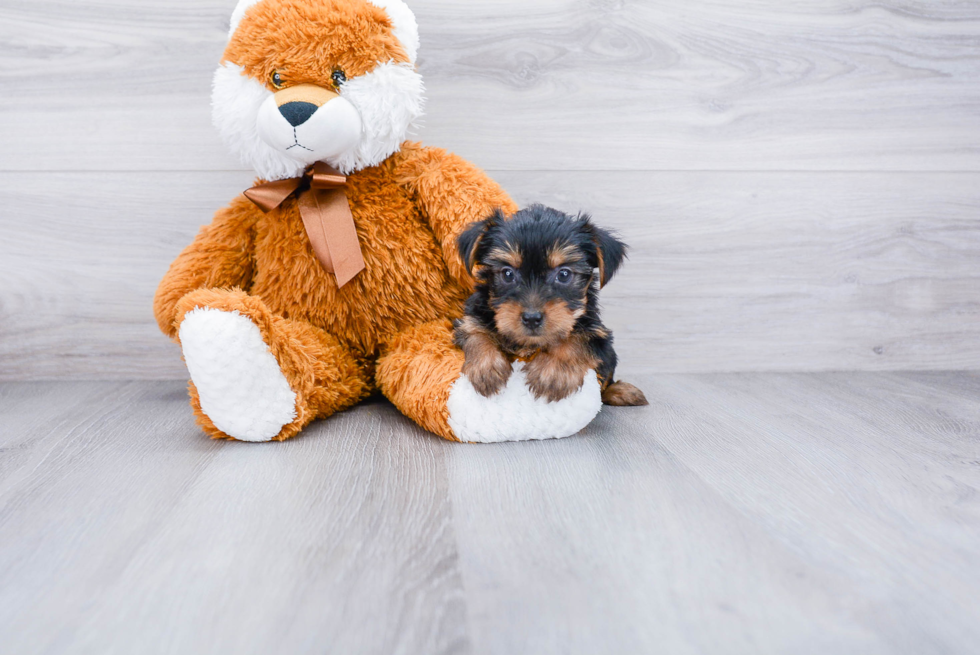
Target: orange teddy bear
[{"x": 338, "y": 273}]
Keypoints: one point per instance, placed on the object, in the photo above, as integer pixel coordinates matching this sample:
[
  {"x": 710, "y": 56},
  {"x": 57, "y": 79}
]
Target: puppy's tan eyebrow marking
[
  {"x": 510, "y": 255},
  {"x": 563, "y": 254}
]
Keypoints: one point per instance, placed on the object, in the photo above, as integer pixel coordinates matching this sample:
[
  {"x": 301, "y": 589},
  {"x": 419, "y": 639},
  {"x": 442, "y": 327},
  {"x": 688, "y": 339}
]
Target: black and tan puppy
[{"x": 536, "y": 300}]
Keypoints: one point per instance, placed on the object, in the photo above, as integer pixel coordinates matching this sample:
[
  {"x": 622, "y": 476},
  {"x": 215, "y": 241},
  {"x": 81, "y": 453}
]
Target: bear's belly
[{"x": 405, "y": 283}]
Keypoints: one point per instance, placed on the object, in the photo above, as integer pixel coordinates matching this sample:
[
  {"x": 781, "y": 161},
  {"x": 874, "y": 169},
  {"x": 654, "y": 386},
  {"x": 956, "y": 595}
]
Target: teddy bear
[{"x": 338, "y": 275}]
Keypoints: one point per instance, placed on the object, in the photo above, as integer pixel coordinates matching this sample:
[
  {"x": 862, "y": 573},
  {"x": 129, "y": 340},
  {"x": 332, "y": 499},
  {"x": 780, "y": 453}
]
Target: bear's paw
[
  {"x": 514, "y": 414},
  {"x": 239, "y": 382}
]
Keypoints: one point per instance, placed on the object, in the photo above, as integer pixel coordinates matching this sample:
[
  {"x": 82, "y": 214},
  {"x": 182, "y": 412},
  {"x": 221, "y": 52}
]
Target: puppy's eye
[
  {"x": 338, "y": 78},
  {"x": 564, "y": 276},
  {"x": 508, "y": 275},
  {"x": 277, "y": 80}
]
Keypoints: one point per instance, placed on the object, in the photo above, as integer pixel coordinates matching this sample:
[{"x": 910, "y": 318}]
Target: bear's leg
[
  {"x": 416, "y": 372},
  {"x": 256, "y": 376},
  {"x": 420, "y": 371}
]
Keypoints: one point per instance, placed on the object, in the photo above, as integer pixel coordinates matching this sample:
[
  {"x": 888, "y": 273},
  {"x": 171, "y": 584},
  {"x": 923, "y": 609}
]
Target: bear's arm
[
  {"x": 451, "y": 193},
  {"x": 220, "y": 257}
]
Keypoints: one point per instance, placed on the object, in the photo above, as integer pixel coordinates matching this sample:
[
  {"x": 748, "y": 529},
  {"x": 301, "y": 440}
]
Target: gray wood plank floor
[{"x": 738, "y": 513}]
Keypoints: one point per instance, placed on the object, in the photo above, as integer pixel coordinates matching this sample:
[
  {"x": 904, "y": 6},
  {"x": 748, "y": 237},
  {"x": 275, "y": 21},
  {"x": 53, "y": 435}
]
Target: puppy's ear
[
  {"x": 468, "y": 243},
  {"x": 610, "y": 251}
]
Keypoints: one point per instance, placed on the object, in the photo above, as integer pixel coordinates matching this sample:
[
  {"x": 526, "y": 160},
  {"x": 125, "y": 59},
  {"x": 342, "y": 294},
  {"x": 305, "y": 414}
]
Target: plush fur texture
[
  {"x": 242, "y": 390},
  {"x": 325, "y": 36},
  {"x": 324, "y": 375},
  {"x": 513, "y": 414},
  {"x": 328, "y": 341},
  {"x": 251, "y": 277},
  {"x": 405, "y": 29}
]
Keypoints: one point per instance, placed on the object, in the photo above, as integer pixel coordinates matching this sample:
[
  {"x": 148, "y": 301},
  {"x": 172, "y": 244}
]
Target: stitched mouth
[{"x": 297, "y": 144}]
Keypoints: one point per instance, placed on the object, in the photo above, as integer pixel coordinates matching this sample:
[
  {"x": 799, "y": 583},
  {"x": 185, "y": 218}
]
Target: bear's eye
[
  {"x": 276, "y": 80},
  {"x": 338, "y": 78}
]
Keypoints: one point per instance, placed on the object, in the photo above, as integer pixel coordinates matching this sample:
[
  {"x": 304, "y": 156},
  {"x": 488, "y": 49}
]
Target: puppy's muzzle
[{"x": 297, "y": 104}]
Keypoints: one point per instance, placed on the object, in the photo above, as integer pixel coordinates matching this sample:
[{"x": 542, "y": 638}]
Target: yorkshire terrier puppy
[{"x": 536, "y": 300}]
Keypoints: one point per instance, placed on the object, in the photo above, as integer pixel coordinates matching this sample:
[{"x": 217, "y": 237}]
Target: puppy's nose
[
  {"x": 297, "y": 113},
  {"x": 532, "y": 320}
]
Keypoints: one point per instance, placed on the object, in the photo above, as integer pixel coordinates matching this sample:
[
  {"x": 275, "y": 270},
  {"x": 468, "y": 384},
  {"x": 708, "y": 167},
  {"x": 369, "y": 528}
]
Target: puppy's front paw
[
  {"x": 554, "y": 378},
  {"x": 488, "y": 373}
]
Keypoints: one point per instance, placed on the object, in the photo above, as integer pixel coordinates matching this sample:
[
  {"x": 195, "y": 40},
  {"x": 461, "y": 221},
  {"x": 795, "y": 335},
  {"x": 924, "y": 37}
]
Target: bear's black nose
[
  {"x": 297, "y": 113},
  {"x": 532, "y": 320}
]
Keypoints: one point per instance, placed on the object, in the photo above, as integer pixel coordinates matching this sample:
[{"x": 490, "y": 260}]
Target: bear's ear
[
  {"x": 609, "y": 251},
  {"x": 468, "y": 243}
]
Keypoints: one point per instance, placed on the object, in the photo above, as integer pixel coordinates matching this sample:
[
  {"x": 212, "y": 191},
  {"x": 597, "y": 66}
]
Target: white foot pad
[
  {"x": 515, "y": 414},
  {"x": 242, "y": 389}
]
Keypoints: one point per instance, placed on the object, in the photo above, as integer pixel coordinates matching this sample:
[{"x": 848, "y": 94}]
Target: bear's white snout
[{"x": 308, "y": 132}]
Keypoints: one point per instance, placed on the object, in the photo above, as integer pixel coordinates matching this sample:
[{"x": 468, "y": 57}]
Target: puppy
[{"x": 536, "y": 300}]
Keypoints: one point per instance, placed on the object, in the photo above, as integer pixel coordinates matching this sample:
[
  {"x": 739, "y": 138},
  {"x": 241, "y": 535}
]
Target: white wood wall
[{"x": 800, "y": 182}]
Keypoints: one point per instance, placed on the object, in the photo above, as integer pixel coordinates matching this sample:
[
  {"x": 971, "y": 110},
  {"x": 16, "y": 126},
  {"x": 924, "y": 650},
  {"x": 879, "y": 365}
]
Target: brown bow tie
[{"x": 326, "y": 214}]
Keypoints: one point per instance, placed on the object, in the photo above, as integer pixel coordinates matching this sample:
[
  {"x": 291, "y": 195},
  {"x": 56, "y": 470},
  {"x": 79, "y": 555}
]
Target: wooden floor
[{"x": 738, "y": 513}]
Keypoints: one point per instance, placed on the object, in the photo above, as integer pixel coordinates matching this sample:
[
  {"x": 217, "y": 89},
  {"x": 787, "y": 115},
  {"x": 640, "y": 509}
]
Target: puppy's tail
[{"x": 623, "y": 394}]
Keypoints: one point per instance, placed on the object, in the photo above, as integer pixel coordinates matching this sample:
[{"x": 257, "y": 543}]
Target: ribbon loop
[
  {"x": 270, "y": 195},
  {"x": 326, "y": 215},
  {"x": 325, "y": 177}
]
